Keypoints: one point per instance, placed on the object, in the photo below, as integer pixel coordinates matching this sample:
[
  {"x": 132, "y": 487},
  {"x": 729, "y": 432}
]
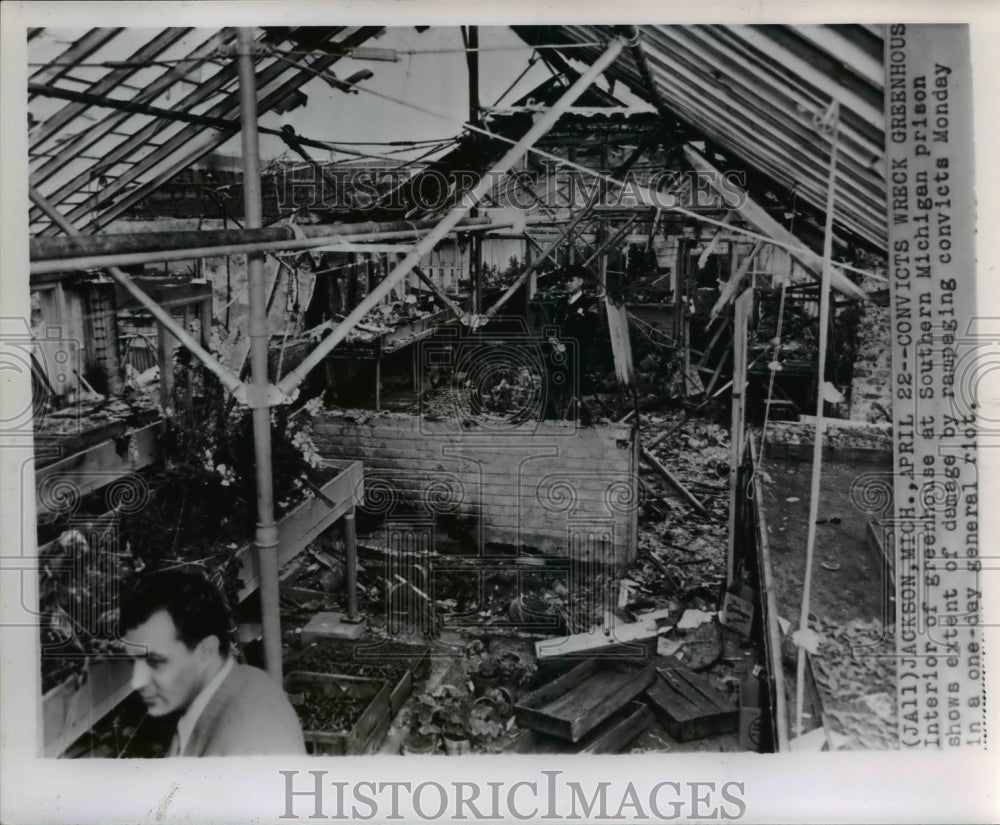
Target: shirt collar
[{"x": 185, "y": 725}]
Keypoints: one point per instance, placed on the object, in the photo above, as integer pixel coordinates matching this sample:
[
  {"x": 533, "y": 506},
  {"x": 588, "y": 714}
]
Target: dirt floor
[
  {"x": 847, "y": 576},
  {"x": 852, "y": 665}
]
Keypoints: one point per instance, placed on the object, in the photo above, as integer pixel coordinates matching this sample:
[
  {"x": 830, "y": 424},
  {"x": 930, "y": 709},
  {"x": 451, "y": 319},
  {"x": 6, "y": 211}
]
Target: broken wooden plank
[
  {"x": 577, "y": 702},
  {"x": 689, "y": 707},
  {"x": 672, "y": 480},
  {"x": 623, "y": 640},
  {"x": 733, "y": 284}
]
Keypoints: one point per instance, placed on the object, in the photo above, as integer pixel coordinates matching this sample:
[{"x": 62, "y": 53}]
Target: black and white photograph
[{"x": 399, "y": 382}]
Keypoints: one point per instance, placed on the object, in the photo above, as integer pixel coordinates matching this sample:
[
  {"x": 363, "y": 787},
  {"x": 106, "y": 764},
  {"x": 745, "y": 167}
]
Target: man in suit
[
  {"x": 575, "y": 318},
  {"x": 177, "y": 629}
]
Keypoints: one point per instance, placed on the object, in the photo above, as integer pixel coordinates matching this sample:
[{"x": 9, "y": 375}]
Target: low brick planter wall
[{"x": 552, "y": 486}]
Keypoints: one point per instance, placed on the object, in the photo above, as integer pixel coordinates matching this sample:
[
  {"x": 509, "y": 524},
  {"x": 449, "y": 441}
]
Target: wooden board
[
  {"x": 69, "y": 711},
  {"x": 689, "y": 707},
  {"x": 578, "y": 701},
  {"x": 611, "y": 736},
  {"x": 637, "y": 640},
  {"x": 303, "y": 524},
  {"x": 97, "y": 466}
]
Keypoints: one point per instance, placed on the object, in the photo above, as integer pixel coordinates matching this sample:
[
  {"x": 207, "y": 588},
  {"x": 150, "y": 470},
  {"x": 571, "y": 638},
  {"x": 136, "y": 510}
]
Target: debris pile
[
  {"x": 838, "y": 434},
  {"x": 855, "y": 672}
]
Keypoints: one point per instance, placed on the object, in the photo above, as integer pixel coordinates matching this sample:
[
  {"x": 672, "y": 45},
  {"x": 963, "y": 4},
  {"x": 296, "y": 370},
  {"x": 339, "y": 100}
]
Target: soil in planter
[
  {"x": 329, "y": 714},
  {"x": 389, "y": 661}
]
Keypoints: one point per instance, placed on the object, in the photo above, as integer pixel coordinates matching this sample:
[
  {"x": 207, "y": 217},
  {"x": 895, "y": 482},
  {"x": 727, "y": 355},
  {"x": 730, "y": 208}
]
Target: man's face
[
  {"x": 167, "y": 674},
  {"x": 575, "y": 284}
]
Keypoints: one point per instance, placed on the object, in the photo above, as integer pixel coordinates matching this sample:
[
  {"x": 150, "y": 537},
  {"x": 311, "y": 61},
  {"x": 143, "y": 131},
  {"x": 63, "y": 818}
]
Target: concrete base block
[{"x": 331, "y": 626}]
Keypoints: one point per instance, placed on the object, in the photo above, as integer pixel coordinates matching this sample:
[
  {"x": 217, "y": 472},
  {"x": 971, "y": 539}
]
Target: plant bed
[
  {"x": 340, "y": 715},
  {"x": 399, "y": 664},
  {"x": 578, "y": 701}
]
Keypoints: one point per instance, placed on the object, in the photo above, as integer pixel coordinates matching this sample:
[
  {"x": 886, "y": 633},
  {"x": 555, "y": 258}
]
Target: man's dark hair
[{"x": 195, "y": 605}]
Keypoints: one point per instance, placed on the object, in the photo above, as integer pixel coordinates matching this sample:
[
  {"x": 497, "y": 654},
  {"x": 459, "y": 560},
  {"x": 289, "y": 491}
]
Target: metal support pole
[
  {"x": 230, "y": 381},
  {"x": 605, "y": 245},
  {"x": 824, "y": 315},
  {"x": 544, "y": 123},
  {"x": 744, "y": 304},
  {"x": 351, "y": 567},
  {"x": 266, "y": 540}
]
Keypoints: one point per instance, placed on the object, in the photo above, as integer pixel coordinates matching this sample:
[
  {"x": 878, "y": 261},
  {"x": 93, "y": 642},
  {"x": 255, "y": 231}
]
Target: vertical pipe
[
  {"x": 742, "y": 309},
  {"x": 165, "y": 357},
  {"x": 472, "y": 58},
  {"x": 351, "y": 556},
  {"x": 267, "y": 531},
  {"x": 824, "y": 315}
]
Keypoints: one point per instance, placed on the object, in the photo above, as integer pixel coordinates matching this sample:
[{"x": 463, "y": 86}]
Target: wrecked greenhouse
[{"x": 556, "y": 382}]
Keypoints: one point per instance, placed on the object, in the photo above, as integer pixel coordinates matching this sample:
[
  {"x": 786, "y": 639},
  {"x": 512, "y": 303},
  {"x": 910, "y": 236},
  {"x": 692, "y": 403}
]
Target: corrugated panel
[
  {"x": 93, "y": 162},
  {"x": 754, "y": 91}
]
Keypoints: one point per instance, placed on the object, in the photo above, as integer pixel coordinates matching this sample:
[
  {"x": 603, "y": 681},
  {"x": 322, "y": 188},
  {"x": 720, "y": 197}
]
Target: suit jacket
[
  {"x": 249, "y": 715},
  {"x": 576, "y": 321}
]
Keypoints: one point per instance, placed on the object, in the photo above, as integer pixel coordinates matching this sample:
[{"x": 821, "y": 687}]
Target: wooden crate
[
  {"x": 368, "y": 731},
  {"x": 689, "y": 707},
  {"x": 611, "y": 736},
  {"x": 578, "y": 701},
  {"x": 403, "y": 687}
]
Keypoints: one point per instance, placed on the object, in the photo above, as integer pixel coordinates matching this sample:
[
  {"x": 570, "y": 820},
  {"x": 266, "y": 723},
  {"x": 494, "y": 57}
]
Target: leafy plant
[
  {"x": 486, "y": 723},
  {"x": 195, "y": 510},
  {"x": 444, "y": 711},
  {"x": 508, "y": 668}
]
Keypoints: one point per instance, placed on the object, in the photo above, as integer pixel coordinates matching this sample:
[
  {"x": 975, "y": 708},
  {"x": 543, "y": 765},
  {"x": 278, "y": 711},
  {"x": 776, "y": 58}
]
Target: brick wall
[{"x": 545, "y": 485}]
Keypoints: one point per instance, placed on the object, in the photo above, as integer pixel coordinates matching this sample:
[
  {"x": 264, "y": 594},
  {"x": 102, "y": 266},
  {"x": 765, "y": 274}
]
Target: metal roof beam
[
  {"x": 163, "y": 166},
  {"x": 148, "y": 51},
  {"x": 78, "y": 51},
  {"x": 795, "y": 64},
  {"x": 794, "y": 136},
  {"x": 768, "y": 167},
  {"x": 764, "y": 64},
  {"x": 793, "y": 157},
  {"x": 783, "y": 98},
  {"x": 848, "y": 53},
  {"x": 86, "y": 139},
  {"x": 127, "y": 149}
]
